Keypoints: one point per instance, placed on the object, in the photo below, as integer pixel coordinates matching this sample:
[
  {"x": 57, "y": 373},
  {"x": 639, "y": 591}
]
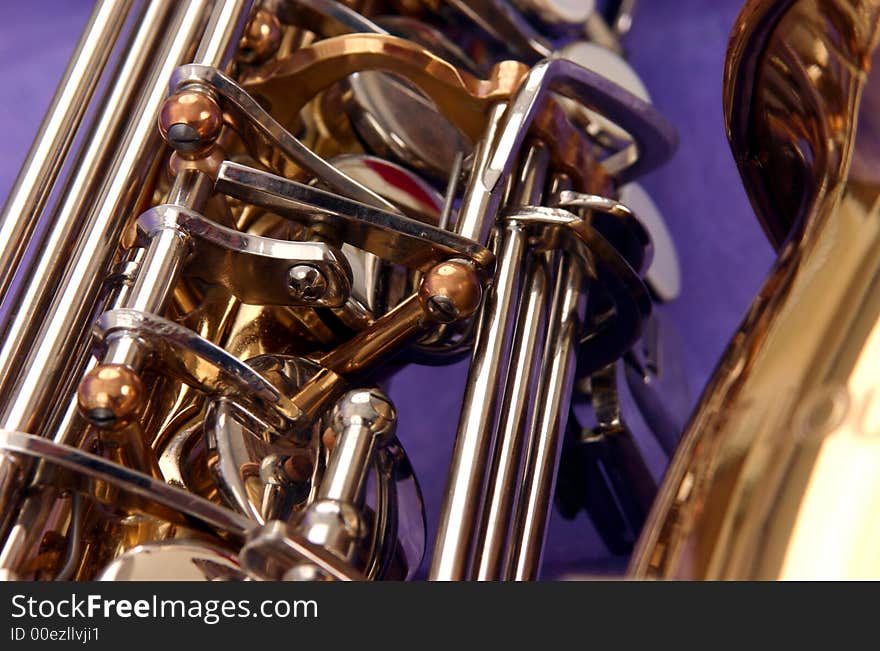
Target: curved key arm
[
  {"x": 654, "y": 138},
  {"x": 256, "y": 269},
  {"x": 632, "y": 302},
  {"x": 200, "y": 363},
  {"x": 237, "y": 101},
  {"x": 392, "y": 237},
  {"x": 464, "y": 99}
]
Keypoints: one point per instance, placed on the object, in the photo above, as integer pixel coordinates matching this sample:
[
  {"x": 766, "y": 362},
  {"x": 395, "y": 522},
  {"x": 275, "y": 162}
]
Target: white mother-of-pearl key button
[
  {"x": 664, "y": 274},
  {"x": 612, "y": 66}
]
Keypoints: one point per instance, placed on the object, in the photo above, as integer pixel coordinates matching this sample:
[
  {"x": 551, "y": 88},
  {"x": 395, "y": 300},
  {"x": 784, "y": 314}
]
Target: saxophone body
[
  {"x": 239, "y": 218},
  {"x": 775, "y": 477}
]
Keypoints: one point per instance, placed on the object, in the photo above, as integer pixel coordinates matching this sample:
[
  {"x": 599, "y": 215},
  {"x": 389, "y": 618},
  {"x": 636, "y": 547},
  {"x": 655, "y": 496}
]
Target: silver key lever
[{"x": 602, "y": 470}]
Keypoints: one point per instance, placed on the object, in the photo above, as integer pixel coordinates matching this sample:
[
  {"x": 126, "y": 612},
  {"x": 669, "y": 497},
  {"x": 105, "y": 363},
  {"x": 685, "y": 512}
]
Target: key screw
[{"x": 307, "y": 283}]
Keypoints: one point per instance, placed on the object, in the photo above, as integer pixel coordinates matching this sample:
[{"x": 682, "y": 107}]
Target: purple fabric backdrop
[{"x": 678, "y": 48}]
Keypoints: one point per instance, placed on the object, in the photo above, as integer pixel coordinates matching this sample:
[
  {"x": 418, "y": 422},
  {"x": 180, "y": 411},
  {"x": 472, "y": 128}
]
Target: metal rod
[
  {"x": 503, "y": 485},
  {"x": 27, "y": 309},
  {"x": 57, "y": 132},
  {"x": 22, "y": 311},
  {"x": 487, "y": 379},
  {"x": 161, "y": 266},
  {"x": 480, "y": 203},
  {"x": 75, "y": 296},
  {"x": 68, "y": 429},
  {"x": 158, "y": 273},
  {"x": 549, "y": 417},
  {"x": 55, "y": 352},
  {"x": 191, "y": 189},
  {"x": 72, "y": 555},
  {"x": 363, "y": 420},
  {"x": 462, "y": 505},
  {"x": 95, "y": 172},
  {"x": 223, "y": 32},
  {"x": 504, "y": 479},
  {"x": 462, "y": 508},
  {"x": 451, "y": 190},
  {"x": 502, "y": 20},
  {"x": 348, "y": 465}
]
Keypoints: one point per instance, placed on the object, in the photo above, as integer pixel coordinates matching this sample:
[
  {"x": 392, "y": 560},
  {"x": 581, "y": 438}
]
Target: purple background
[{"x": 678, "y": 47}]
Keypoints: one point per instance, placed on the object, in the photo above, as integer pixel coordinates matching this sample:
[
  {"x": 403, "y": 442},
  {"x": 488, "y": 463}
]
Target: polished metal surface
[
  {"x": 568, "y": 307},
  {"x": 249, "y": 261},
  {"x": 174, "y": 560},
  {"x": 273, "y": 207},
  {"x": 55, "y": 136},
  {"x": 153, "y": 491},
  {"x": 503, "y": 492},
  {"x": 69, "y": 222},
  {"x": 45, "y": 342},
  {"x": 381, "y": 106},
  {"x": 487, "y": 381},
  {"x": 775, "y": 476}
]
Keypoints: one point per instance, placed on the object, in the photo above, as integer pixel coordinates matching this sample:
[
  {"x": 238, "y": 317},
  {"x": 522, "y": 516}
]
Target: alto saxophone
[
  {"x": 240, "y": 217},
  {"x": 776, "y": 475}
]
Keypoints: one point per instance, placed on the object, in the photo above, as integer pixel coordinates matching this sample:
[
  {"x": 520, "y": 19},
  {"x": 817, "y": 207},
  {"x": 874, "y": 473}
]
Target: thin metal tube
[
  {"x": 487, "y": 379},
  {"x": 72, "y": 555},
  {"x": 462, "y": 505},
  {"x": 26, "y": 531},
  {"x": 548, "y": 421},
  {"x": 57, "y": 132},
  {"x": 505, "y": 475},
  {"x": 158, "y": 271},
  {"x": 191, "y": 189},
  {"x": 451, "y": 190},
  {"x": 348, "y": 464},
  {"x": 163, "y": 261},
  {"x": 503, "y": 482},
  {"x": 66, "y": 320},
  {"x": 162, "y": 264},
  {"x": 480, "y": 203},
  {"x": 24, "y": 313},
  {"x": 55, "y": 340},
  {"x": 27, "y": 309},
  {"x": 225, "y": 27}
]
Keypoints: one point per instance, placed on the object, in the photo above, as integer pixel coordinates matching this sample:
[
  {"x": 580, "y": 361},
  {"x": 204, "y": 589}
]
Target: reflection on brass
[
  {"x": 776, "y": 476},
  {"x": 190, "y": 122},
  {"x": 462, "y": 98},
  {"x": 190, "y": 376},
  {"x": 110, "y": 394},
  {"x": 790, "y": 100}
]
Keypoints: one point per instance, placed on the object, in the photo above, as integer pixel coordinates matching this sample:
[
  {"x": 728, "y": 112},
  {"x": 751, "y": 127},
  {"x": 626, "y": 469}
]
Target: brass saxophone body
[
  {"x": 238, "y": 215},
  {"x": 775, "y": 476}
]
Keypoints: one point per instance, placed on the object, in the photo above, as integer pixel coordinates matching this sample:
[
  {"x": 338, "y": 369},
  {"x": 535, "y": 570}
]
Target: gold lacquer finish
[
  {"x": 243, "y": 248},
  {"x": 191, "y": 121},
  {"x": 110, "y": 394},
  {"x": 776, "y": 477},
  {"x": 463, "y": 98}
]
